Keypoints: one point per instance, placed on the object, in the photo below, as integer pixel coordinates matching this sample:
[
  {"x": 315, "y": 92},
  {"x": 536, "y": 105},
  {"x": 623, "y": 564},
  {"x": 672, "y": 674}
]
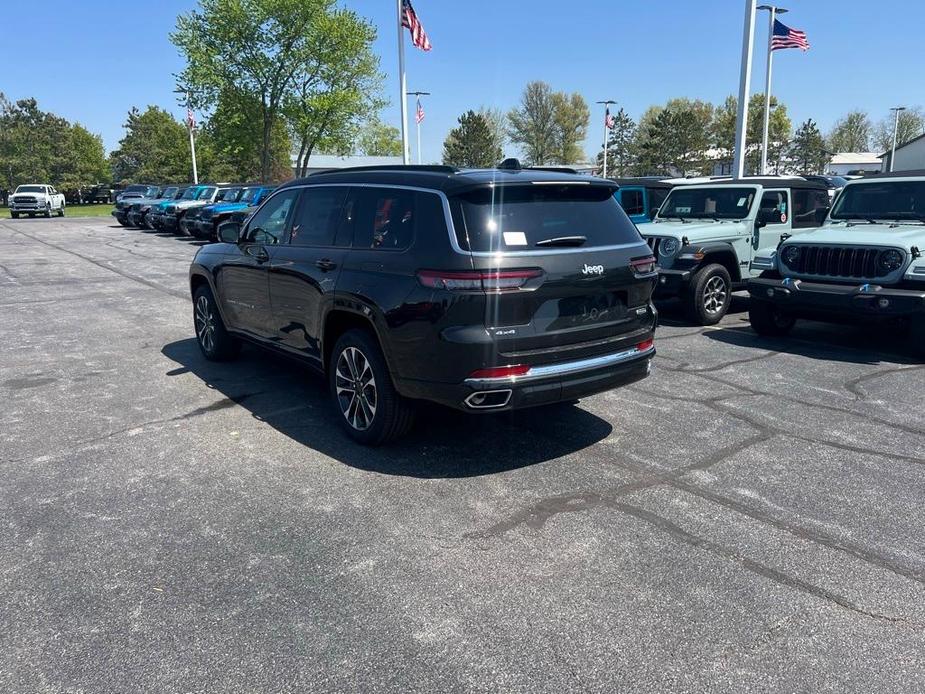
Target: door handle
[{"x": 325, "y": 264}]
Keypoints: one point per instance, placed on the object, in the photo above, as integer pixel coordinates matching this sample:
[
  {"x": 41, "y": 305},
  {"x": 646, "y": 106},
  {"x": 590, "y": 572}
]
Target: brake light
[
  {"x": 646, "y": 345},
  {"x": 643, "y": 266},
  {"x": 501, "y": 371},
  {"x": 485, "y": 280}
]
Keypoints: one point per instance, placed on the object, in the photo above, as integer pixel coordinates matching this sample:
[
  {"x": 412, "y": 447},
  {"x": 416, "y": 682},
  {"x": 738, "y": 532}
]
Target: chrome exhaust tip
[{"x": 488, "y": 399}]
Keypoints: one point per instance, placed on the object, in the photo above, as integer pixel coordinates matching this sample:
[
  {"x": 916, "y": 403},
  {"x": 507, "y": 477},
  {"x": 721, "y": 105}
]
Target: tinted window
[
  {"x": 228, "y": 195},
  {"x": 881, "y": 200},
  {"x": 656, "y": 198},
  {"x": 516, "y": 218},
  {"x": 318, "y": 216},
  {"x": 268, "y": 225},
  {"x": 190, "y": 193},
  {"x": 631, "y": 201},
  {"x": 169, "y": 193},
  {"x": 206, "y": 194},
  {"x": 809, "y": 207},
  {"x": 383, "y": 218},
  {"x": 722, "y": 202},
  {"x": 776, "y": 200}
]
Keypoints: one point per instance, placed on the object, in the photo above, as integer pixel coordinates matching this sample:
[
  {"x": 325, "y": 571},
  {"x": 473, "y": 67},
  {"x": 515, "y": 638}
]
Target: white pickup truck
[{"x": 36, "y": 199}]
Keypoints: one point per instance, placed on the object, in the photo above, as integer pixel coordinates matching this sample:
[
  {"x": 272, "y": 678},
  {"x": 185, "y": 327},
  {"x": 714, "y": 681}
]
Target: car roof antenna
[{"x": 510, "y": 164}]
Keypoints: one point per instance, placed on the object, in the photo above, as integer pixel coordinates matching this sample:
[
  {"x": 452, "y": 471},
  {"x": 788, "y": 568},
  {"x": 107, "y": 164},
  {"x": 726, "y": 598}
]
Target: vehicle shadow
[
  {"x": 827, "y": 342},
  {"x": 671, "y": 312},
  {"x": 293, "y": 399}
]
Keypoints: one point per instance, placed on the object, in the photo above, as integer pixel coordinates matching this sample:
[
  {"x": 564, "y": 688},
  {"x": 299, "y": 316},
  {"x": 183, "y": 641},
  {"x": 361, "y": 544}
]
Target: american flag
[
  {"x": 785, "y": 37},
  {"x": 419, "y": 112},
  {"x": 609, "y": 121},
  {"x": 190, "y": 118},
  {"x": 410, "y": 20}
]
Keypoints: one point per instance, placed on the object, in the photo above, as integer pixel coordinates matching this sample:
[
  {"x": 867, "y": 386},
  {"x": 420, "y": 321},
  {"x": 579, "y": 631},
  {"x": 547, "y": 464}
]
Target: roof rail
[
  {"x": 431, "y": 168},
  {"x": 554, "y": 169}
]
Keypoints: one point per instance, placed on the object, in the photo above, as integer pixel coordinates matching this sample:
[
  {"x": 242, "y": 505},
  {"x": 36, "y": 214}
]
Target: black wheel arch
[
  {"x": 720, "y": 253},
  {"x": 348, "y": 314}
]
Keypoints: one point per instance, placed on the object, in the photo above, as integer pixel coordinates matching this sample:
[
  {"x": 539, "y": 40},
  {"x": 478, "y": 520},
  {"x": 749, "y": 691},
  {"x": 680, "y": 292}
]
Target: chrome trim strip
[{"x": 538, "y": 373}]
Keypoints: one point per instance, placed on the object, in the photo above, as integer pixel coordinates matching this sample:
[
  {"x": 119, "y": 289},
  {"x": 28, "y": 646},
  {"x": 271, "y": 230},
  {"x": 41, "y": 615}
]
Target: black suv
[{"x": 483, "y": 290}]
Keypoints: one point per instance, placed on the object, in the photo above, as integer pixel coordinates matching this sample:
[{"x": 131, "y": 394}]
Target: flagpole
[
  {"x": 607, "y": 103},
  {"x": 745, "y": 76},
  {"x": 192, "y": 140},
  {"x": 403, "y": 85},
  {"x": 772, "y": 15}
]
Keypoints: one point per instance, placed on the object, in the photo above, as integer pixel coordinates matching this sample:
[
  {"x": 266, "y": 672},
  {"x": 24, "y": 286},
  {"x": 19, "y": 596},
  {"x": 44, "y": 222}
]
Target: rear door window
[
  {"x": 776, "y": 200},
  {"x": 318, "y": 216},
  {"x": 631, "y": 199},
  {"x": 518, "y": 217},
  {"x": 383, "y": 218}
]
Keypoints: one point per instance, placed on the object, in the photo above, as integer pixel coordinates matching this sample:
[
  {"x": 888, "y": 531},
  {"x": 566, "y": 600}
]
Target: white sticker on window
[
  {"x": 683, "y": 210},
  {"x": 741, "y": 202},
  {"x": 515, "y": 238}
]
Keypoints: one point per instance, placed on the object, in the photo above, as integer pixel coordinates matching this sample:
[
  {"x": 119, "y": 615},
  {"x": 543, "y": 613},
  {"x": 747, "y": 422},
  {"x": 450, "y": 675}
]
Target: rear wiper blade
[{"x": 563, "y": 241}]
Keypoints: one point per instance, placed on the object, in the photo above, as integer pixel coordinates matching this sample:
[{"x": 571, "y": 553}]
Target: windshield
[
  {"x": 838, "y": 181},
  {"x": 722, "y": 202},
  {"x": 190, "y": 194},
  {"x": 248, "y": 195},
  {"x": 888, "y": 200},
  {"x": 136, "y": 188},
  {"x": 517, "y": 218},
  {"x": 228, "y": 195},
  {"x": 206, "y": 193},
  {"x": 169, "y": 193},
  {"x": 30, "y": 189}
]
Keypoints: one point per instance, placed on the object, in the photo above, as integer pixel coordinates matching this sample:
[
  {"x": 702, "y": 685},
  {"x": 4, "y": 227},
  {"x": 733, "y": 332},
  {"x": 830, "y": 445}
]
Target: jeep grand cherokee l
[{"x": 482, "y": 290}]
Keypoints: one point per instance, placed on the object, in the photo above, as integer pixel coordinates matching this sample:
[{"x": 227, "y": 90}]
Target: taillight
[
  {"x": 646, "y": 345},
  {"x": 485, "y": 280},
  {"x": 501, "y": 371},
  {"x": 643, "y": 266}
]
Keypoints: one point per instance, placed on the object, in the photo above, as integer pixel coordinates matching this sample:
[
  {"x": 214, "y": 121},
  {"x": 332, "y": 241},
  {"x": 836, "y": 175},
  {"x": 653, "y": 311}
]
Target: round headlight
[
  {"x": 790, "y": 255},
  {"x": 668, "y": 246},
  {"x": 890, "y": 260}
]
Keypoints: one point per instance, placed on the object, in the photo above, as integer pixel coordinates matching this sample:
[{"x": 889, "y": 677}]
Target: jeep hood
[
  {"x": 904, "y": 235},
  {"x": 696, "y": 232}
]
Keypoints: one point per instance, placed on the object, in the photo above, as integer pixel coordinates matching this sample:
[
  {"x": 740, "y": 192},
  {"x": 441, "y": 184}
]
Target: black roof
[
  {"x": 896, "y": 174},
  {"x": 647, "y": 181},
  {"x": 768, "y": 182},
  {"x": 444, "y": 178}
]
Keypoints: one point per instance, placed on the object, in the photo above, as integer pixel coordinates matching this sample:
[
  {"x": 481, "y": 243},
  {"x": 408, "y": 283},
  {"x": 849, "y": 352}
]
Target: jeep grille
[{"x": 856, "y": 262}]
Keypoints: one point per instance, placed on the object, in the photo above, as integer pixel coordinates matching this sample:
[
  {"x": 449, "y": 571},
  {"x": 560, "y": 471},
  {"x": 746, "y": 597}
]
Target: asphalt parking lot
[{"x": 747, "y": 519}]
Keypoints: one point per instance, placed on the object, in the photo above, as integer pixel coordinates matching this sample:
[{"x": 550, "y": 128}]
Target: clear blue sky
[{"x": 93, "y": 60}]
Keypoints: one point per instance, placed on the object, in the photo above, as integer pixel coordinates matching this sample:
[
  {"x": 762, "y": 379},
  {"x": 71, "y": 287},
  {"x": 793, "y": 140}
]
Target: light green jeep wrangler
[
  {"x": 865, "y": 265},
  {"x": 706, "y": 235}
]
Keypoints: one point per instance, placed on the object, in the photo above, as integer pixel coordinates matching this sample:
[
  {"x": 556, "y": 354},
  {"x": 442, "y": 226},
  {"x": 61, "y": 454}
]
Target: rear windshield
[
  {"x": 722, "y": 202},
  {"x": 882, "y": 200},
  {"x": 517, "y": 218}
]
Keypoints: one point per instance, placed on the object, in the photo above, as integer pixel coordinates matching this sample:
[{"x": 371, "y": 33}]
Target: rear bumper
[
  {"x": 543, "y": 385},
  {"x": 838, "y": 302}
]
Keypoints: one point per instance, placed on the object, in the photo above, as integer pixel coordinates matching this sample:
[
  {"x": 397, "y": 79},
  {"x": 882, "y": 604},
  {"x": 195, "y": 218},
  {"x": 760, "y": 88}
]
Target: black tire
[
  {"x": 215, "y": 342},
  {"x": 710, "y": 295},
  {"x": 391, "y": 415},
  {"x": 32, "y": 215},
  {"x": 61, "y": 210},
  {"x": 14, "y": 215},
  {"x": 917, "y": 335},
  {"x": 768, "y": 320},
  {"x": 48, "y": 211}
]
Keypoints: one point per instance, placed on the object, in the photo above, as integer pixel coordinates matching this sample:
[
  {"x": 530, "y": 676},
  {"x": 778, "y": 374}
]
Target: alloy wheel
[
  {"x": 356, "y": 388},
  {"x": 714, "y": 295},
  {"x": 205, "y": 324}
]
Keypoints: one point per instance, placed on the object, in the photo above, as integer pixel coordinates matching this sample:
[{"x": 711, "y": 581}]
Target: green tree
[
  {"x": 86, "y": 159},
  {"x": 852, "y": 133},
  {"x": 621, "y": 148},
  {"x": 673, "y": 139},
  {"x": 376, "y": 139},
  {"x": 911, "y": 124},
  {"x": 261, "y": 49},
  {"x": 532, "y": 125},
  {"x": 471, "y": 144},
  {"x": 497, "y": 125},
  {"x": 155, "y": 148},
  {"x": 327, "y": 107},
  {"x": 234, "y": 136},
  {"x": 807, "y": 148},
  {"x": 571, "y": 117},
  {"x": 723, "y": 128}
]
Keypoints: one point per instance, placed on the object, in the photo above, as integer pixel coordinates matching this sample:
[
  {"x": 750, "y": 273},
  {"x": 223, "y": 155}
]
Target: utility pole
[
  {"x": 745, "y": 77},
  {"x": 418, "y": 117},
  {"x": 772, "y": 16},
  {"x": 895, "y": 110},
  {"x": 607, "y": 103}
]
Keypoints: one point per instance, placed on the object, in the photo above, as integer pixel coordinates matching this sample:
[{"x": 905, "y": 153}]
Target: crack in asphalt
[{"x": 854, "y": 385}]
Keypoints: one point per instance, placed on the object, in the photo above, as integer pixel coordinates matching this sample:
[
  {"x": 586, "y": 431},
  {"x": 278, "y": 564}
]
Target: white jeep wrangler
[
  {"x": 33, "y": 199},
  {"x": 865, "y": 264},
  {"x": 705, "y": 235}
]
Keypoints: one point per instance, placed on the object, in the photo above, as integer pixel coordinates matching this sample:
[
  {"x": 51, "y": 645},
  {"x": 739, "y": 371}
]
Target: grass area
[{"x": 77, "y": 211}]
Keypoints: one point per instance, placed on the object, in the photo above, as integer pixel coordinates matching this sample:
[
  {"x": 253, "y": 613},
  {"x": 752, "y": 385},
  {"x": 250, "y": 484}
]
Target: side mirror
[{"x": 229, "y": 232}]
